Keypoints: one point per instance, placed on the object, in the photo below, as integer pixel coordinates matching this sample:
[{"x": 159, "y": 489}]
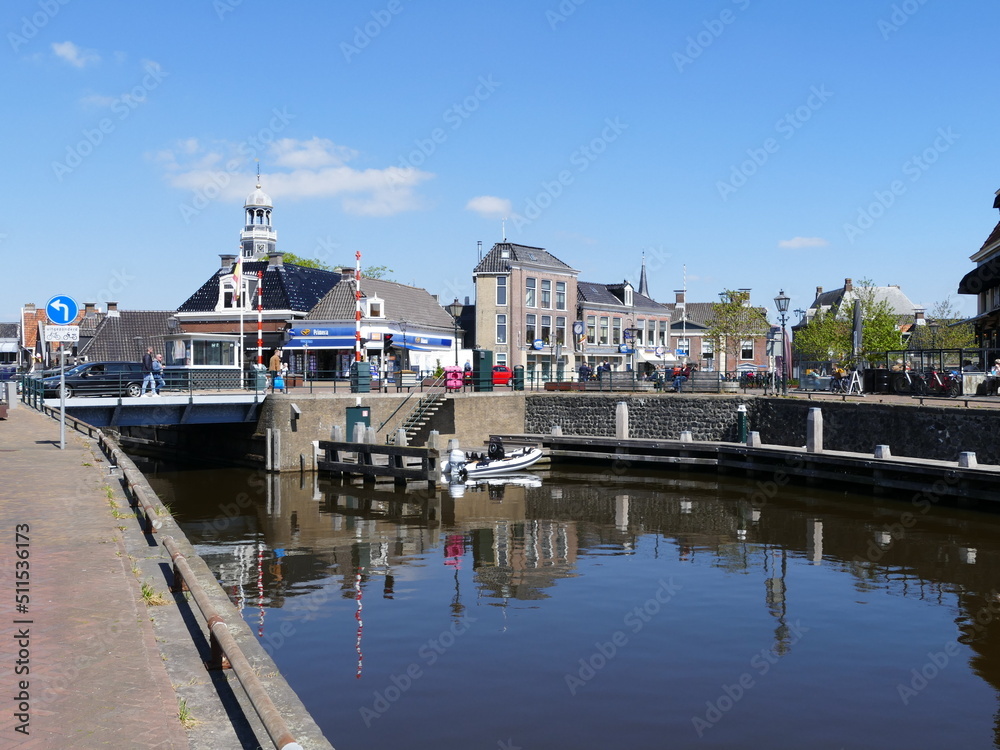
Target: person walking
[
  {"x": 274, "y": 367},
  {"x": 158, "y": 374},
  {"x": 147, "y": 373}
]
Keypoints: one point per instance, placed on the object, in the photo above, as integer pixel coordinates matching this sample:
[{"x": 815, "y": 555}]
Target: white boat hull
[{"x": 518, "y": 460}]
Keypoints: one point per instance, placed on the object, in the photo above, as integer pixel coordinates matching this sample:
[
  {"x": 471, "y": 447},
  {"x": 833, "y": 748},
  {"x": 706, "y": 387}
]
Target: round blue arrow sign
[{"x": 62, "y": 310}]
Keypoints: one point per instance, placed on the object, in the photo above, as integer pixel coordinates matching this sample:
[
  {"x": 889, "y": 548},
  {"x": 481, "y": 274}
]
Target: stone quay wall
[{"x": 934, "y": 432}]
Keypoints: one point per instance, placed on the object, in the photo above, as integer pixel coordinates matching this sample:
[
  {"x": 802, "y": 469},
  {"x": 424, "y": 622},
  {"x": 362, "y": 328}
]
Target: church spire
[
  {"x": 258, "y": 237},
  {"x": 643, "y": 286}
]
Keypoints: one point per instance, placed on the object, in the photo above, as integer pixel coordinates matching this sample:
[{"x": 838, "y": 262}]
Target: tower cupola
[{"x": 258, "y": 237}]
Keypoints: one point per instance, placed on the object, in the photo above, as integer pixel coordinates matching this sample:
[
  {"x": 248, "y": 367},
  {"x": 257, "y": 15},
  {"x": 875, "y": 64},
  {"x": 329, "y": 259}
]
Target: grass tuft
[{"x": 151, "y": 596}]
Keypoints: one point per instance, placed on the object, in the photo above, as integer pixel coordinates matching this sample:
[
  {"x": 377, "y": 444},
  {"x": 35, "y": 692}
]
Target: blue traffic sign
[{"x": 62, "y": 310}]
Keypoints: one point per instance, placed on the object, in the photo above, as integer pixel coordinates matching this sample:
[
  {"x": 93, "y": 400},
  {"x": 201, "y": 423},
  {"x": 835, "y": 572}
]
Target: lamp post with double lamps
[
  {"x": 455, "y": 310},
  {"x": 781, "y": 302}
]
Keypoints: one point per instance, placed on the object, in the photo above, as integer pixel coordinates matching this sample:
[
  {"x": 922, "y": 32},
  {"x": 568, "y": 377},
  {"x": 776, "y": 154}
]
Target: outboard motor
[
  {"x": 496, "y": 452},
  {"x": 456, "y": 461}
]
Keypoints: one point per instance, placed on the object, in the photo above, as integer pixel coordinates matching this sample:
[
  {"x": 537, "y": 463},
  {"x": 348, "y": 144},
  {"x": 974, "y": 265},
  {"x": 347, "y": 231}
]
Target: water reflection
[{"x": 822, "y": 610}]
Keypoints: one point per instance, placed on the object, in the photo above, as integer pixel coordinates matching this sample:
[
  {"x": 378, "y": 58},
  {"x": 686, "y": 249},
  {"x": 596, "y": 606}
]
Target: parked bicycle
[{"x": 944, "y": 383}]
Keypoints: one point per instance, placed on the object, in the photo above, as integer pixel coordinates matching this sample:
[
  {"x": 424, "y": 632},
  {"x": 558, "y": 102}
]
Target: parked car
[
  {"x": 502, "y": 375},
  {"x": 98, "y": 379}
]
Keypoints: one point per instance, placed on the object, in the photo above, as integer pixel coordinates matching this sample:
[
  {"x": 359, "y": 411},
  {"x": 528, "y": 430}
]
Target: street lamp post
[
  {"x": 781, "y": 302},
  {"x": 404, "y": 355},
  {"x": 455, "y": 310}
]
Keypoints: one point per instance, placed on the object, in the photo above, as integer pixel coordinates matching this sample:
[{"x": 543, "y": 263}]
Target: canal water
[{"x": 579, "y": 609}]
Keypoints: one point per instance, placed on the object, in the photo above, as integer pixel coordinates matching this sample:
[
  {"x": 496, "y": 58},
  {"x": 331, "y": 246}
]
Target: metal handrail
[{"x": 226, "y": 651}]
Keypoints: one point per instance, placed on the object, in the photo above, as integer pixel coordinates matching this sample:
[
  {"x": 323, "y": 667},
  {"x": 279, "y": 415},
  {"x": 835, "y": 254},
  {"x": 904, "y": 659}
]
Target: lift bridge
[{"x": 165, "y": 409}]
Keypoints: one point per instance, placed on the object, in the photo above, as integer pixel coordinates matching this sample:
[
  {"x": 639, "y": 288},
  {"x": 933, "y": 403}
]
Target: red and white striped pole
[
  {"x": 357, "y": 306},
  {"x": 260, "y": 317}
]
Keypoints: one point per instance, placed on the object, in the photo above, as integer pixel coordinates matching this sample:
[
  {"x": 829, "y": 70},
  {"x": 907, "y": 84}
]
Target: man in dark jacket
[{"x": 147, "y": 372}]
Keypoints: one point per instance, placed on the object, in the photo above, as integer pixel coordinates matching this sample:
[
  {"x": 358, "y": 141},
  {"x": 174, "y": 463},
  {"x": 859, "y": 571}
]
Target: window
[
  {"x": 616, "y": 332},
  {"x": 651, "y": 329},
  {"x": 707, "y": 347},
  {"x": 628, "y": 295},
  {"x": 501, "y": 358},
  {"x": 746, "y": 349},
  {"x": 684, "y": 347},
  {"x": 501, "y": 329},
  {"x": 560, "y": 295},
  {"x": 501, "y": 290},
  {"x": 560, "y": 330},
  {"x": 604, "y": 330},
  {"x": 640, "y": 329},
  {"x": 530, "y": 328},
  {"x": 546, "y": 329},
  {"x": 374, "y": 307},
  {"x": 529, "y": 292},
  {"x": 591, "y": 329},
  {"x": 546, "y": 294}
]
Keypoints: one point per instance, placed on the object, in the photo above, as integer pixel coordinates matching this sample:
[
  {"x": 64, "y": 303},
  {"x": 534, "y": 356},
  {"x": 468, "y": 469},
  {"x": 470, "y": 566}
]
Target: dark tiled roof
[
  {"x": 493, "y": 262},
  {"x": 993, "y": 239},
  {"x": 402, "y": 302},
  {"x": 286, "y": 287},
  {"x": 604, "y": 294},
  {"x": 9, "y": 330},
  {"x": 116, "y": 335},
  {"x": 698, "y": 313}
]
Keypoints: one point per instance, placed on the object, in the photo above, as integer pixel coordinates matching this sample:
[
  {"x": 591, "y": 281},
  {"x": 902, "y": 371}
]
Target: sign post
[{"x": 61, "y": 311}]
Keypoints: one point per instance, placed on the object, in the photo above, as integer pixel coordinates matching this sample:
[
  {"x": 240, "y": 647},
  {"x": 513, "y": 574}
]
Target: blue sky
[{"x": 762, "y": 144}]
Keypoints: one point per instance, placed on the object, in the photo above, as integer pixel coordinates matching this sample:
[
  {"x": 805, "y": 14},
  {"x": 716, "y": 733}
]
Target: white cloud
[
  {"x": 311, "y": 154},
  {"x": 797, "y": 242},
  {"x": 315, "y": 169},
  {"x": 75, "y": 56},
  {"x": 98, "y": 100},
  {"x": 489, "y": 206}
]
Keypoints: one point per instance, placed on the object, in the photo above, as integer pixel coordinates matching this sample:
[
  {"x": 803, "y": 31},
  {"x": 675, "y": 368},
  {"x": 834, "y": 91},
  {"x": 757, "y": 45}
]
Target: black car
[{"x": 98, "y": 379}]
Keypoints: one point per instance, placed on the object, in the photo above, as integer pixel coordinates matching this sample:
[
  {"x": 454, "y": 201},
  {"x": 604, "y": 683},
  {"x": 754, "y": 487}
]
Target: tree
[
  {"x": 943, "y": 330},
  {"x": 826, "y": 337},
  {"x": 734, "y": 321},
  {"x": 307, "y": 262},
  {"x": 377, "y": 272}
]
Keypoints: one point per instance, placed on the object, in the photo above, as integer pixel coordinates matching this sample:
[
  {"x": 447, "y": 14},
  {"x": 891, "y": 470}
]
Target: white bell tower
[{"x": 258, "y": 237}]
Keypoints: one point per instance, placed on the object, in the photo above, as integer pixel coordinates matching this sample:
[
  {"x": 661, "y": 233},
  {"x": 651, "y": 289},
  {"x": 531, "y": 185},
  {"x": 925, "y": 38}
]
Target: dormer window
[
  {"x": 628, "y": 295},
  {"x": 374, "y": 307}
]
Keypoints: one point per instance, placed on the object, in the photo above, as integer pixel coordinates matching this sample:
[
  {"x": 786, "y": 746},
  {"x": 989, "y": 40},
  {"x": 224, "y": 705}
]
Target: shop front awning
[
  {"x": 8, "y": 347},
  {"x": 981, "y": 278},
  {"x": 650, "y": 356},
  {"x": 319, "y": 342}
]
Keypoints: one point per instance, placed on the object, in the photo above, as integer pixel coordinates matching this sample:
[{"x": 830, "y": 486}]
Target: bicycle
[
  {"x": 944, "y": 383},
  {"x": 909, "y": 382}
]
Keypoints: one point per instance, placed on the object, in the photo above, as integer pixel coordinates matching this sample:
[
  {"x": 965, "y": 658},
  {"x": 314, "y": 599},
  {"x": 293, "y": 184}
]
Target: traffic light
[{"x": 386, "y": 341}]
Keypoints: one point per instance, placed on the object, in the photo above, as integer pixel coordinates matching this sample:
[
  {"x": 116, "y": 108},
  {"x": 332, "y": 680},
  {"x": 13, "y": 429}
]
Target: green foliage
[
  {"x": 307, "y": 262},
  {"x": 733, "y": 321},
  {"x": 827, "y": 337},
  {"x": 943, "y": 331},
  {"x": 378, "y": 272}
]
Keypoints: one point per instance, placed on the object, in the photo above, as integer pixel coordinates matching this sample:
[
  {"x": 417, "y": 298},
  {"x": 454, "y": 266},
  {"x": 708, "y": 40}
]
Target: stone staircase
[{"x": 415, "y": 422}]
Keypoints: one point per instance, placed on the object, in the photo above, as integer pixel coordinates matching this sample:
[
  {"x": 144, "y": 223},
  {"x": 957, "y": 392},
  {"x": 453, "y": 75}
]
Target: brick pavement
[{"x": 96, "y": 675}]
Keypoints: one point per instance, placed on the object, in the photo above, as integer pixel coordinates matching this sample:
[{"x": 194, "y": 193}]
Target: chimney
[
  {"x": 819, "y": 290},
  {"x": 226, "y": 261},
  {"x": 848, "y": 285},
  {"x": 275, "y": 259},
  {"x": 113, "y": 310},
  {"x": 346, "y": 271},
  {"x": 89, "y": 309},
  {"x": 679, "y": 296},
  {"x": 918, "y": 316},
  {"x": 29, "y": 308}
]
